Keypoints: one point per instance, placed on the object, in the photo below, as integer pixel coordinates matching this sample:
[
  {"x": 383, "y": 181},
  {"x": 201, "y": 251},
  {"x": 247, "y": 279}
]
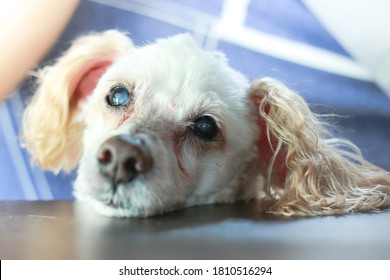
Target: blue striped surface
[{"x": 336, "y": 91}]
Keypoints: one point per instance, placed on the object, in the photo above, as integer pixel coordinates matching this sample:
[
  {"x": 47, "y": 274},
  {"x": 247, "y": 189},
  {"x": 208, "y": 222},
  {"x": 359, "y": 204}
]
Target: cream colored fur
[
  {"x": 173, "y": 82},
  {"x": 325, "y": 175},
  {"x": 51, "y": 128}
]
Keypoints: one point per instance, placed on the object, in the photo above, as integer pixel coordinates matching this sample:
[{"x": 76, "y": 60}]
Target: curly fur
[
  {"x": 325, "y": 175},
  {"x": 268, "y": 139},
  {"x": 53, "y": 135}
]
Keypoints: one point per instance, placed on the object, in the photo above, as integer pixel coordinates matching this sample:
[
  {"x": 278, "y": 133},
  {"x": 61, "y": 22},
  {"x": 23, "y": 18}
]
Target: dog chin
[
  {"x": 111, "y": 209},
  {"x": 129, "y": 200}
]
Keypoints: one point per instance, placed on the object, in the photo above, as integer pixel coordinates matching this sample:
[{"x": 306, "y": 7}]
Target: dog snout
[{"x": 122, "y": 158}]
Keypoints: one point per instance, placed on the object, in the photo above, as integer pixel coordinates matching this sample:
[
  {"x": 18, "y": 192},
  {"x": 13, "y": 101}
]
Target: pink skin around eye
[{"x": 123, "y": 119}]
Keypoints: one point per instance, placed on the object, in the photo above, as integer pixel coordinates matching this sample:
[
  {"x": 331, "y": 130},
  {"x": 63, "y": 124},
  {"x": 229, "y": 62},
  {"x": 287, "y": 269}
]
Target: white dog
[{"x": 169, "y": 125}]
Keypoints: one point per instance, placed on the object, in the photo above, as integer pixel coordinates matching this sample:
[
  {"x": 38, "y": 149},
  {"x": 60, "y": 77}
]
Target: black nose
[{"x": 121, "y": 158}]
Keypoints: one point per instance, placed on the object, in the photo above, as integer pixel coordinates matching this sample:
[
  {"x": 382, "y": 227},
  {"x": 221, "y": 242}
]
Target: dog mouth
[
  {"x": 112, "y": 204},
  {"x": 121, "y": 161}
]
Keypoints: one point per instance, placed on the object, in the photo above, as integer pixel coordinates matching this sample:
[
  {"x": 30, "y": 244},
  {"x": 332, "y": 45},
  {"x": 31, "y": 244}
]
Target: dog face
[
  {"x": 166, "y": 126},
  {"x": 169, "y": 125}
]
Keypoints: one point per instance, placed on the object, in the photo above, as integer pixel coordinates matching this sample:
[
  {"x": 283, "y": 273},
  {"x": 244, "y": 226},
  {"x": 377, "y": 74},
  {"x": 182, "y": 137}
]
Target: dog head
[
  {"x": 165, "y": 125},
  {"x": 168, "y": 125}
]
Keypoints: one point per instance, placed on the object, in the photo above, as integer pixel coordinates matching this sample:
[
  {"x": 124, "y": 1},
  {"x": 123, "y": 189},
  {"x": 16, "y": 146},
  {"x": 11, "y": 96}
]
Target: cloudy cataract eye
[{"x": 118, "y": 96}]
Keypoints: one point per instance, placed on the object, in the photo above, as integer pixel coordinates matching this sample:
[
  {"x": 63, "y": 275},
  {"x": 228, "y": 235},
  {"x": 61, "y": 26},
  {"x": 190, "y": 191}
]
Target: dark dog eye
[
  {"x": 205, "y": 127},
  {"x": 118, "y": 96}
]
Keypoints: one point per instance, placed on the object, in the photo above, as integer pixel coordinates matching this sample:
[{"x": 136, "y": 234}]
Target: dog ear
[
  {"x": 52, "y": 121},
  {"x": 308, "y": 172}
]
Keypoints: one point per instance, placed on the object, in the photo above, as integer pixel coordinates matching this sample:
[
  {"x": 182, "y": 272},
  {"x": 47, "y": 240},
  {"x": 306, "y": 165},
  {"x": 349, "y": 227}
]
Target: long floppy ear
[
  {"x": 52, "y": 125},
  {"x": 308, "y": 171}
]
